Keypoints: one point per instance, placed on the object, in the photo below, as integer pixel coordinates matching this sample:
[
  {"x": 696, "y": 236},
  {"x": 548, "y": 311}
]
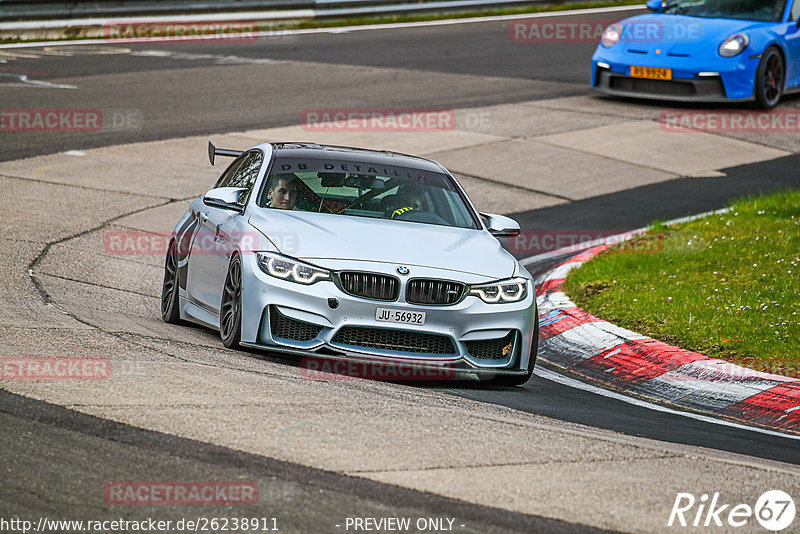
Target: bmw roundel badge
[{"x": 403, "y": 270}]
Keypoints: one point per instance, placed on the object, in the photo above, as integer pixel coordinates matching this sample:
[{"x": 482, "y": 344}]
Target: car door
[
  {"x": 213, "y": 241},
  {"x": 198, "y": 286},
  {"x": 793, "y": 48}
]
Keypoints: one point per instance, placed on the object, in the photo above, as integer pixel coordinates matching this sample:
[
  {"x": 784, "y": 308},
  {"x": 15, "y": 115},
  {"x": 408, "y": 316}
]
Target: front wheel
[
  {"x": 170, "y": 308},
  {"x": 770, "y": 78},
  {"x": 230, "y": 317}
]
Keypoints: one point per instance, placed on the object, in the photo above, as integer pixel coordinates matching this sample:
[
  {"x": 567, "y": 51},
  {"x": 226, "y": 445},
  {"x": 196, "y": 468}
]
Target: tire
[
  {"x": 170, "y": 307},
  {"x": 518, "y": 380},
  {"x": 770, "y": 79},
  {"x": 230, "y": 316}
]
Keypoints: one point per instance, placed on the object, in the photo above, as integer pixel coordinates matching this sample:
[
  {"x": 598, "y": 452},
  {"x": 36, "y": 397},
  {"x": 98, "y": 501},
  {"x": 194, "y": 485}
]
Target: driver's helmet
[{"x": 410, "y": 197}]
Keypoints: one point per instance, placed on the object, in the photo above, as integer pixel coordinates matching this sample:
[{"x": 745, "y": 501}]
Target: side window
[
  {"x": 226, "y": 177},
  {"x": 246, "y": 174},
  {"x": 795, "y": 11}
]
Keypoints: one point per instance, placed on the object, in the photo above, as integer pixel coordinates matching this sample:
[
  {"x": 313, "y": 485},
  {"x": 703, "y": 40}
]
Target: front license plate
[
  {"x": 653, "y": 73},
  {"x": 389, "y": 315}
]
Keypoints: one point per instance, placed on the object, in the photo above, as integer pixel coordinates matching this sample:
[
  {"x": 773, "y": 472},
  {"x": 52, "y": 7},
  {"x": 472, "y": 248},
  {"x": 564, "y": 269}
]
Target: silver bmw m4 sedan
[{"x": 356, "y": 255}]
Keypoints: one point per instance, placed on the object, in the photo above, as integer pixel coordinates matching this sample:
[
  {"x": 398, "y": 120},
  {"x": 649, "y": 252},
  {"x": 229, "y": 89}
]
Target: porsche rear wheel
[
  {"x": 230, "y": 317},
  {"x": 770, "y": 79},
  {"x": 170, "y": 308}
]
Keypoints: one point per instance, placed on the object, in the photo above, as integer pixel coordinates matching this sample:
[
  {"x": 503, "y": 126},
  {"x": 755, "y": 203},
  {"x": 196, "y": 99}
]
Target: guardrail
[{"x": 21, "y": 10}]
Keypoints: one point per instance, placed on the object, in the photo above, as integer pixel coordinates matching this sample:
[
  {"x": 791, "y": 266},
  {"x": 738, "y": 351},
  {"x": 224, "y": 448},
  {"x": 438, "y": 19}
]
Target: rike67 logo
[{"x": 774, "y": 510}]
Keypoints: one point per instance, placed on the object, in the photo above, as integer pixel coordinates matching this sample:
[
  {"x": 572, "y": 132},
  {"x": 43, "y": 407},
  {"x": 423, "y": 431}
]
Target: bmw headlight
[
  {"x": 611, "y": 35},
  {"x": 734, "y": 45},
  {"x": 290, "y": 269},
  {"x": 513, "y": 290}
]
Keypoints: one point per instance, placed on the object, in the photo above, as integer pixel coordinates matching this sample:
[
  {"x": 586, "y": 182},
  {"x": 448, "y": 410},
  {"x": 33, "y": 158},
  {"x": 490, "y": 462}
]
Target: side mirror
[
  {"x": 229, "y": 198},
  {"x": 501, "y": 226},
  {"x": 653, "y": 5}
]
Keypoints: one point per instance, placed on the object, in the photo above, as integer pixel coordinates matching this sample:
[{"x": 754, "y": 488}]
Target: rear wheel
[
  {"x": 518, "y": 380},
  {"x": 170, "y": 308},
  {"x": 770, "y": 78},
  {"x": 230, "y": 317}
]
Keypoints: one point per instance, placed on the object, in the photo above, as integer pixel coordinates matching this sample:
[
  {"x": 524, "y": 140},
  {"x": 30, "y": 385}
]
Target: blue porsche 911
[{"x": 703, "y": 51}]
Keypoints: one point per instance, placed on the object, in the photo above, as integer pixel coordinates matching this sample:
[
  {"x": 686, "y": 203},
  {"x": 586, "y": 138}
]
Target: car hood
[
  {"x": 316, "y": 236},
  {"x": 680, "y": 35}
]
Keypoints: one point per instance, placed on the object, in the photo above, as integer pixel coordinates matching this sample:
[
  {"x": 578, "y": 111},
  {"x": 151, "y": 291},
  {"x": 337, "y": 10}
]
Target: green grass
[
  {"x": 394, "y": 19},
  {"x": 726, "y": 285}
]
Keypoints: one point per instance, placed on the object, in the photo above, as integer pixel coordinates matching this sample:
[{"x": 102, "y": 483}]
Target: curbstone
[{"x": 582, "y": 344}]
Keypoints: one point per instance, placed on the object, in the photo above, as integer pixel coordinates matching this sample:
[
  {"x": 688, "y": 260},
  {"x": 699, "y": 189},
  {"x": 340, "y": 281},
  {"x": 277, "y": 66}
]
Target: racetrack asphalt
[
  {"x": 178, "y": 95},
  {"x": 69, "y": 455}
]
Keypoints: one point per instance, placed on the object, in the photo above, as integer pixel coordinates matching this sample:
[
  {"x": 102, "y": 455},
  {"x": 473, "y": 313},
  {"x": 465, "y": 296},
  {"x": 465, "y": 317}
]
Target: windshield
[
  {"x": 365, "y": 190},
  {"x": 761, "y": 10}
]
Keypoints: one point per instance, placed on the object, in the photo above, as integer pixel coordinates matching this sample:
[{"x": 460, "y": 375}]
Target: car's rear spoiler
[{"x": 214, "y": 151}]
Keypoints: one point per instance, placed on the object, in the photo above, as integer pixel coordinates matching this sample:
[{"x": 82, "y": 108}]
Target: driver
[
  {"x": 282, "y": 193},
  {"x": 410, "y": 200}
]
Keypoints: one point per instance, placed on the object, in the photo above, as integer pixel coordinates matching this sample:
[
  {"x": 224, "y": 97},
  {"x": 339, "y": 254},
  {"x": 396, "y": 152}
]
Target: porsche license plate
[
  {"x": 653, "y": 73},
  {"x": 389, "y": 315}
]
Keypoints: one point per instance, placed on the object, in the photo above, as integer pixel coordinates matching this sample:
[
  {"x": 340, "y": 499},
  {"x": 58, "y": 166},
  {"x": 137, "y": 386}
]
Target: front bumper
[
  {"x": 686, "y": 89},
  {"x": 298, "y": 319},
  {"x": 693, "y": 80}
]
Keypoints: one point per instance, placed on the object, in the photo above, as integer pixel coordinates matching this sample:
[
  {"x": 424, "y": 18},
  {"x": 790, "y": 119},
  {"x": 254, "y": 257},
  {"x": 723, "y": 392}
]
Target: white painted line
[
  {"x": 676, "y": 387},
  {"x": 247, "y": 16},
  {"x": 577, "y": 384},
  {"x": 563, "y": 270},
  {"x": 333, "y": 30},
  {"x": 25, "y": 82},
  {"x": 718, "y": 370},
  {"x": 553, "y": 300},
  {"x": 604, "y": 335}
]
